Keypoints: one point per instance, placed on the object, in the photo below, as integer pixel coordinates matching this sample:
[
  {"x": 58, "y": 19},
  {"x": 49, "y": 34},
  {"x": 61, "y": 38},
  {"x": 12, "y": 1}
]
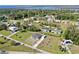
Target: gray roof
[{"x": 37, "y": 36}]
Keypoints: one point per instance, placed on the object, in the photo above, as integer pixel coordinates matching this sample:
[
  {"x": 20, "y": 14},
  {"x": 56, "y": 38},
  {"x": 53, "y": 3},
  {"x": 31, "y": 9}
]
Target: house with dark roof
[{"x": 37, "y": 36}]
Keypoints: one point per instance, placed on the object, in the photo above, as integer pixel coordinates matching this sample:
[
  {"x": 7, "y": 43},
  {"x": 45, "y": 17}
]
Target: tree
[
  {"x": 18, "y": 24},
  {"x": 73, "y": 34},
  {"x": 3, "y": 26}
]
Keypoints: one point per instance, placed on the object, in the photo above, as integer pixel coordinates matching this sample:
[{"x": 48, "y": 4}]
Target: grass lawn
[
  {"x": 8, "y": 47},
  {"x": 4, "y": 32},
  {"x": 6, "y": 42},
  {"x": 20, "y": 48},
  {"x": 51, "y": 44},
  {"x": 22, "y": 36}
]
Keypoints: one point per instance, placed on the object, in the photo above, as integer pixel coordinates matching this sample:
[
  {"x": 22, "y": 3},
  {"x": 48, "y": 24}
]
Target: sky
[{"x": 39, "y": 6}]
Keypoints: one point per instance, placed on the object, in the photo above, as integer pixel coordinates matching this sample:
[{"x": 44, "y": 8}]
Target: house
[
  {"x": 66, "y": 42},
  {"x": 32, "y": 18},
  {"x": 45, "y": 30},
  {"x": 75, "y": 13},
  {"x": 57, "y": 21},
  {"x": 36, "y": 21},
  {"x": 65, "y": 21},
  {"x": 37, "y": 36},
  {"x": 13, "y": 28},
  {"x": 46, "y": 26},
  {"x": 56, "y": 31},
  {"x": 50, "y": 18},
  {"x": 26, "y": 19},
  {"x": 30, "y": 24},
  {"x": 77, "y": 23}
]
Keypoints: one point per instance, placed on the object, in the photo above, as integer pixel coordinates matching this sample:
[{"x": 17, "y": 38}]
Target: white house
[
  {"x": 56, "y": 31},
  {"x": 50, "y": 18},
  {"x": 30, "y": 24},
  {"x": 77, "y": 23},
  {"x": 45, "y": 30},
  {"x": 32, "y": 18},
  {"x": 26, "y": 19},
  {"x": 13, "y": 28},
  {"x": 65, "y": 21},
  {"x": 66, "y": 42},
  {"x": 57, "y": 21},
  {"x": 36, "y": 21}
]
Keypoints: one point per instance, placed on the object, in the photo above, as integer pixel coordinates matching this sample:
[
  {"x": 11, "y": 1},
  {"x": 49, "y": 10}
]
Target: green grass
[
  {"x": 5, "y": 32},
  {"x": 2, "y": 39},
  {"x": 7, "y": 43},
  {"x": 8, "y": 47},
  {"x": 22, "y": 36},
  {"x": 20, "y": 48},
  {"x": 54, "y": 43}
]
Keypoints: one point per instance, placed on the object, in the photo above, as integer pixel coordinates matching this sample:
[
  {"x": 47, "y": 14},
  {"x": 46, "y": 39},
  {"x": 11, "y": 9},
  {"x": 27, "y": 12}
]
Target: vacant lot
[{"x": 51, "y": 44}]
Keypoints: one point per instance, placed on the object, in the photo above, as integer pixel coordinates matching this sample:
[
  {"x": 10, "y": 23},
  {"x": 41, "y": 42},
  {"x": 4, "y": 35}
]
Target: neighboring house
[
  {"x": 65, "y": 21},
  {"x": 56, "y": 31},
  {"x": 30, "y": 24},
  {"x": 77, "y": 23},
  {"x": 75, "y": 13},
  {"x": 66, "y": 42},
  {"x": 50, "y": 18},
  {"x": 37, "y": 36},
  {"x": 36, "y": 21},
  {"x": 45, "y": 30},
  {"x": 46, "y": 26},
  {"x": 26, "y": 19},
  {"x": 57, "y": 21},
  {"x": 13, "y": 28},
  {"x": 32, "y": 18}
]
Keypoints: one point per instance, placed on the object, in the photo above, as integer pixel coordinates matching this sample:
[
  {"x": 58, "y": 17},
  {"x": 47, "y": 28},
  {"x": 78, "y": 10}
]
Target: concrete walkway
[
  {"x": 13, "y": 34},
  {"x": 68, "y": 49},
  {"x": 39, "y": 41}
]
